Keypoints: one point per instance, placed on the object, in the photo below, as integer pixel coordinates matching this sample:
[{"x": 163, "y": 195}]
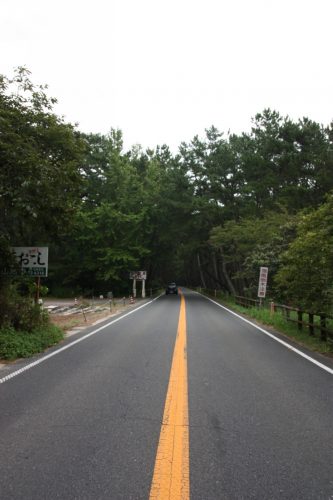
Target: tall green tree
[
  {"x": 40, "y": 183},
  {"x": 249, "y": 243},
  {"x": 107, "y": 240},
  {"x": 306, "y": 275},
  {"x": 40, "y": 156}
]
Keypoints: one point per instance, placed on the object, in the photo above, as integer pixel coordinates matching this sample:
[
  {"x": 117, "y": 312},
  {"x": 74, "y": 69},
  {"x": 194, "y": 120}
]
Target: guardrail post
[
  {"x": 311, "y": 328},
  {"x": 323, "y": 332},
  {"x": 300, "y": 319},
  {"x": 85, "y": 318}
]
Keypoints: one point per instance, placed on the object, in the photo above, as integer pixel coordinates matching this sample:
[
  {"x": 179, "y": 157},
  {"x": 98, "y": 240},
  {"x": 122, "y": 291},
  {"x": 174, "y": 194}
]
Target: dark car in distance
[{"x": 171, "y": 288}]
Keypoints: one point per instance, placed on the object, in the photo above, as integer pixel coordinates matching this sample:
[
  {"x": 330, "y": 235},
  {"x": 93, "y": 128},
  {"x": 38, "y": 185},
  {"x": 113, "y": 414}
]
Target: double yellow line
[{"x": 171, "y": 479}]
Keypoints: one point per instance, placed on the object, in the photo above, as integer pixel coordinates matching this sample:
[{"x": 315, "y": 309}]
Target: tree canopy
[
  {"x": 40, "y": 158},
  {"x": 211, "y": 214}
]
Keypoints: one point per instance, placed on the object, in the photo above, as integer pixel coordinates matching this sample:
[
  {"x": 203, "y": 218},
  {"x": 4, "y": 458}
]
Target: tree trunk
[
  {"x": 203, "y": 283},
  {"x": 227, "y": 278},
  {"x": 216, "y": 271}
]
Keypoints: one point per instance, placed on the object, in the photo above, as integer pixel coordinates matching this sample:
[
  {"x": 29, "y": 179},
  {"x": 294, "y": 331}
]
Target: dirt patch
[{"x": 78, "y": 319}]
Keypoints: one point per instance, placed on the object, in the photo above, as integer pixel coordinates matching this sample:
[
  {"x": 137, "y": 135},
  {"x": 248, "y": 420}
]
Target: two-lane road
[{"x": 179, "y": 394}]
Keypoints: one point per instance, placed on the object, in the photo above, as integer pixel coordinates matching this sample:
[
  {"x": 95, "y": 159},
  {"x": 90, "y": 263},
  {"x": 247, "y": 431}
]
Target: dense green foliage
[
  {"x": 305, "y": 276},
  {"x": 40, "y": 157},
  {"x": 21, "y": 344},
  {"x": 210, "y": 215},
  {"x": 40, "y": 187}
]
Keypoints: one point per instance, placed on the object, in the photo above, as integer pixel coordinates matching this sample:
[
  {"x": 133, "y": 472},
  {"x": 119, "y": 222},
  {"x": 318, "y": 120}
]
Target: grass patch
[
  {"x": 19, "y": 344},
  {"x": 281, "y": 325},
  {"x": 65, "y": 322}
]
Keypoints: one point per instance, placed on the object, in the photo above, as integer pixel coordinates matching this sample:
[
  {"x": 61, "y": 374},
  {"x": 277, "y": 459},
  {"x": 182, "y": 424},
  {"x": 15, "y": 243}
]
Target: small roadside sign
[
  {"x": 262, "y": 282},
  {"x": 138, "y": 275}
]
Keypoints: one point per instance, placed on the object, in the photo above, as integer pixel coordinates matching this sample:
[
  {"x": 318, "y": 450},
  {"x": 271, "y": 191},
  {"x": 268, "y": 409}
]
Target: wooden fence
[
  {"x": 247, "y": 302},
  {"x": 316, "y": 321}
]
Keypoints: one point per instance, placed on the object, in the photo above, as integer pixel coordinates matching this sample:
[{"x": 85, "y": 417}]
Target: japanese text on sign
[
  {"x": 32, "y": 260},
  {"x": 138, "y": 275}
]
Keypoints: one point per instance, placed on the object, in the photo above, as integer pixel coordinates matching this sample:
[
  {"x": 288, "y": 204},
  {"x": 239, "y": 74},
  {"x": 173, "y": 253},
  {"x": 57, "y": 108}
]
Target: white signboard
[
  {"x": 33, "y": 260},
  {"x": 138, "y": 275},
  {"x": 262, "y": 282}
]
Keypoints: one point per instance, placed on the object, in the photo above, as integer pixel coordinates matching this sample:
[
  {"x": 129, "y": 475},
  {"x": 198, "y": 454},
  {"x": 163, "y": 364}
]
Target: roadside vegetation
[
  {"x": 23, "y": 344},
  {"x": 278, "y": 321},
  {"x": 209, "y": 215},
  {"x": 25, "y": 329}
]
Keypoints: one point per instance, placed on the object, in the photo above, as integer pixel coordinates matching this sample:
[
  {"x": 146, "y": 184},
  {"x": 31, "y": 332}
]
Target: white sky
[{"x": 163, "y": 71}]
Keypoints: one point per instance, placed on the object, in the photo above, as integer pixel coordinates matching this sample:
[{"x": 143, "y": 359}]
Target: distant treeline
[{"x": 210, "y": 215}]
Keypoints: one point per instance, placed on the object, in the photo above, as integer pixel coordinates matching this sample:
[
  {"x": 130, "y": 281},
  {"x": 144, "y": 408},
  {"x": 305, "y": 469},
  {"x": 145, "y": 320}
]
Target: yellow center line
[{"x": 171, "y": 479}]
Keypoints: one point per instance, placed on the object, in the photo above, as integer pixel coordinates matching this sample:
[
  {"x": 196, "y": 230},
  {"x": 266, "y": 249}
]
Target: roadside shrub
[
  {"x": 20, "y": 312},
  {"x": 22, "y": 344}
]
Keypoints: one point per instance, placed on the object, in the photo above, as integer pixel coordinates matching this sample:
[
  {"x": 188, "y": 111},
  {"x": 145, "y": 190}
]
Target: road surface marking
[
  {"x": 171, "y": 479},
  {"x": 285, "y": 344},
  {"x": 67, "y": 346}
]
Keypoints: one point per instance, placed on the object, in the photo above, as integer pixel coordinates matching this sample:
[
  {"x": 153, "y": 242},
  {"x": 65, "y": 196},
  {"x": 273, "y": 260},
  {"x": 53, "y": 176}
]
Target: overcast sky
[{"x": 163, "y": 70}]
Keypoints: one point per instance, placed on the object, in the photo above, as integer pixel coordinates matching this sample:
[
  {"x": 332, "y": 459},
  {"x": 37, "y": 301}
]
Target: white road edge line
[
  {"x": 61, "y": 349},
  {"x": 285, "y": 344}
]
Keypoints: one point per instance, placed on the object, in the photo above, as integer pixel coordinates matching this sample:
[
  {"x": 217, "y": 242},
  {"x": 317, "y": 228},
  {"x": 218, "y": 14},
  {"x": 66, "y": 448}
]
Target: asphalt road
[{"x": 85, "y": 423}]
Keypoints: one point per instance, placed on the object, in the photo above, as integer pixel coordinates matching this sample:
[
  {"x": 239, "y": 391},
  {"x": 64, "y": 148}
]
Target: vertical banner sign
[
  {"x": 262, "y": 282},
  {"x": 33, "y": 260}
]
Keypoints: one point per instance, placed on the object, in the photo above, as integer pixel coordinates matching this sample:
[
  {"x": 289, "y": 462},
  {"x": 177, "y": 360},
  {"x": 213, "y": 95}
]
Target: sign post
[{"x": 262, "y": 283}]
